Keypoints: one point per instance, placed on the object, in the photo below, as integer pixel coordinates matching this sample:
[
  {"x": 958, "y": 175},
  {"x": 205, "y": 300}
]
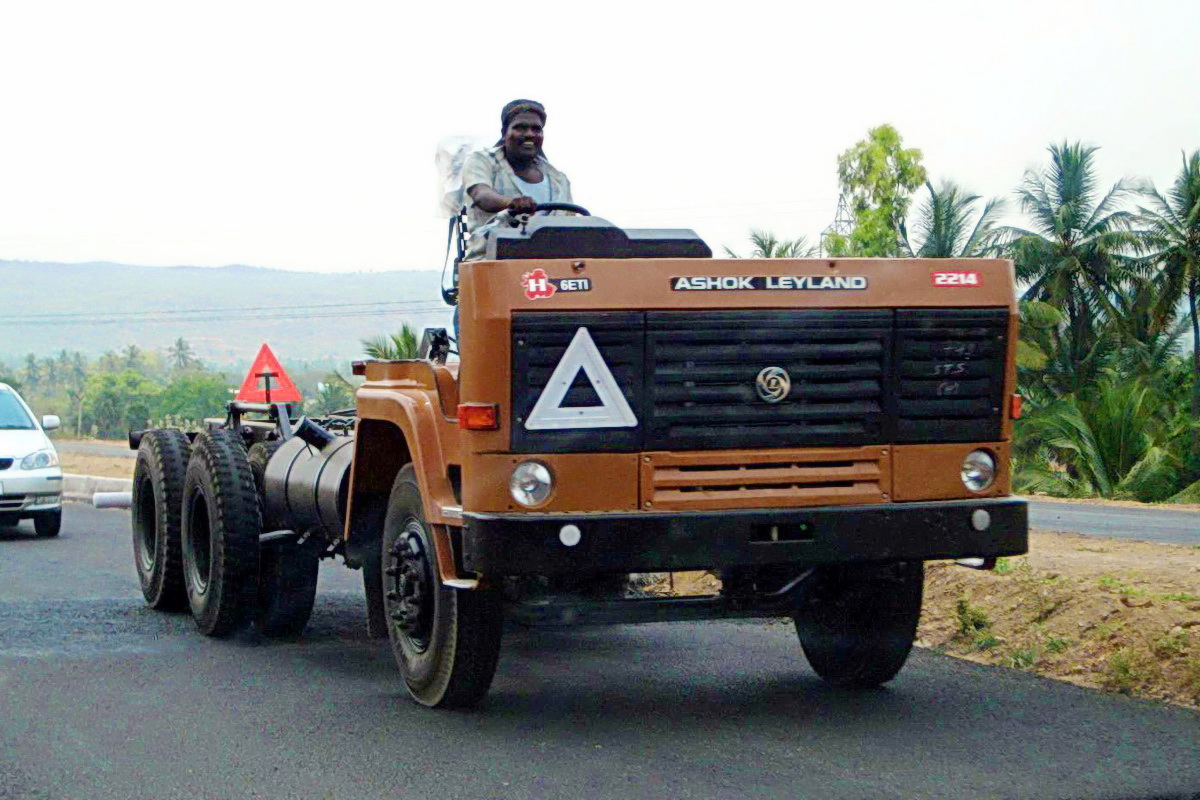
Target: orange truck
[{"x": 811, "y": 431}]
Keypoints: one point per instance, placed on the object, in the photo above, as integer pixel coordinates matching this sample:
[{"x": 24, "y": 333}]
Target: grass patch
[
  {"x": 1180, "y": 597},
  {"x": 1004, "y": 566},
  {"x": 1171, "y": 644},
  {"x": 985, "y": 641},
  {"x": 1023, "y": 657},
  {"x": 972, "y": 620},
  {"x": 1124, "y": 670},
  {"x": 1056, "y": 644}
]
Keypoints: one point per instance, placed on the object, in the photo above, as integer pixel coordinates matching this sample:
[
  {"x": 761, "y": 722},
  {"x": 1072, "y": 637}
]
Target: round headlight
[
  {"x": 40, "y": 460},
  {"x": 978, "y": 470},
  {"x": 531, "y": 483}
]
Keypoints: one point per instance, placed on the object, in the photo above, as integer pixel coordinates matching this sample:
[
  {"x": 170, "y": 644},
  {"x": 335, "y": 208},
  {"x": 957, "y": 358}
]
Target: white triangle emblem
[{"x": 613, "y": 412}]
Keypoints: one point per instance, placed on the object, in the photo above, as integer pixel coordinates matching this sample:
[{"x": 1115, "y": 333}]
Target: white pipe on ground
[{"x": 112, "y": 499}]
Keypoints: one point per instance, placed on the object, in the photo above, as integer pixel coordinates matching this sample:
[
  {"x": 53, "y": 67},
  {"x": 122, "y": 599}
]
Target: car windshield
[{"x": 12, "y": 414}]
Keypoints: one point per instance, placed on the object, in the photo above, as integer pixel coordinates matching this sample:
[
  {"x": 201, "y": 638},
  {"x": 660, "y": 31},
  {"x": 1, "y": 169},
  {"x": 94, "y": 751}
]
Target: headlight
[
  {"x": 978, "y": 470},
  {"x": 531, "y": 483},
  {"x": 40, "y": 460}
]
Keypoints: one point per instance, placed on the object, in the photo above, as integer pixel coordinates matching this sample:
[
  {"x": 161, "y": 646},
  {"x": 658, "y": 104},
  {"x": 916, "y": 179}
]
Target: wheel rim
[
  {"x": 409, "y": 589},
  {"x": 147, "y": 525},
  {"x": 199, "y": 542}
]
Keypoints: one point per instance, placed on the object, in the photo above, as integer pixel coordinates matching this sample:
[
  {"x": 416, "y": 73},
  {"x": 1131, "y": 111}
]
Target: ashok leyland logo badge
[{"x": 773, "y": 384}]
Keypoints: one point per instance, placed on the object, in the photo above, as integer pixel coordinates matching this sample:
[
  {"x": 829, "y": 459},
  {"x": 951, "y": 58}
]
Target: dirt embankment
[
  {"x": 1111, "y": 614},
  {"x": 104, "y": 466}
]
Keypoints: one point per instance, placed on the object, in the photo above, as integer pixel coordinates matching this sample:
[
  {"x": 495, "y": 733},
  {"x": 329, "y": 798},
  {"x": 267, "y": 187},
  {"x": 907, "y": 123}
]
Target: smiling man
[{"x": 513, "y": 177}]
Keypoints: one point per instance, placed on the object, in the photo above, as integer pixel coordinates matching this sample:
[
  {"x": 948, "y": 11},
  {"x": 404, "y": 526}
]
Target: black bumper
[{"x": 520, "y": 544}]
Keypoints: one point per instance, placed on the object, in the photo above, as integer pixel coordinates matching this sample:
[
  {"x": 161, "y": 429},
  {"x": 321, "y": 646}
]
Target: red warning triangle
[{"x": 254, "y": 388}]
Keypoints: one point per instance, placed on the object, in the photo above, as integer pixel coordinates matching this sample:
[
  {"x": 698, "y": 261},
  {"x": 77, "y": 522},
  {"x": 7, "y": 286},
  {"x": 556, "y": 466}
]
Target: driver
[{"x": 511, "y": 178}]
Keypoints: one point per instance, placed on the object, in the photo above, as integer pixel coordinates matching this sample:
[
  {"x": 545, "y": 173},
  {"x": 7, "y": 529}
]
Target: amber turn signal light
[
  {"x": 478, "y": 416},
  {"x": 1015, "y": 410}
]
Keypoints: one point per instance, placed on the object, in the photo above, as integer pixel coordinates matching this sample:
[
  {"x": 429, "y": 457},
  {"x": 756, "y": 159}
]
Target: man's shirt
[{"x": 491, "y": 168}]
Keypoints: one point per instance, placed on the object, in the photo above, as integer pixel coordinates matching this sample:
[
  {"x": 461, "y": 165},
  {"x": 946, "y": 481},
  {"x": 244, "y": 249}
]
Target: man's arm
[{"x": 493, "y": 202}]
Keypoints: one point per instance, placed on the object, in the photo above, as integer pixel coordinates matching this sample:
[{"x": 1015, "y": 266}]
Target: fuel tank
[{"x": 306, "y": 485}]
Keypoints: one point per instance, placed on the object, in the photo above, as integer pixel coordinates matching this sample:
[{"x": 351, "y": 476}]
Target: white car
[{"x": 30, "y": 478}]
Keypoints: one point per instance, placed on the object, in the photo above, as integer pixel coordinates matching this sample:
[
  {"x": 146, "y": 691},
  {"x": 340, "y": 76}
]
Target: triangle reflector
[
  {"x": 549, "y": 413},
  {"x": 254, "y": 387}
]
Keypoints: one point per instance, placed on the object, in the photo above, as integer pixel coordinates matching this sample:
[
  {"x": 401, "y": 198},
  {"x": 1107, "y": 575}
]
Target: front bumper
[
  {"x": 521, "y": 544},
  {"x": 24, "y": 492}
]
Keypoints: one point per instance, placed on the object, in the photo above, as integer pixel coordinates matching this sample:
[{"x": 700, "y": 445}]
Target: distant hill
[{"x": 225, "y": 313}]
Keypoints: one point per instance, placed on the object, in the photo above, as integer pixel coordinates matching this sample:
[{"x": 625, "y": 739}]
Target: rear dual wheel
[
  {"x": 158, "y": 476},
  {"x": 220, "y": 531},
  {"x": 446, "y": 641}
]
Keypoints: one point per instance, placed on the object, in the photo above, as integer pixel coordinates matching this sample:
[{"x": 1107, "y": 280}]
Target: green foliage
[
  {"x": 972, "y": 620},
  {"x": 334, "y": 393},
  {"x": 1024, "y": 657},
  {"x": 194, "y": 396},
  {"x": 878, "y": 176},
  {"x": 116, "y": 402},
  {"x": 1004, "y": 566},
  {"x": 1055, "y": 644},
  {"x": 766, "y": 245},
  {"x": 398, "y": 346},
  {"x": 1125, "y": 669},
  {"x": 944, "y": 224}
]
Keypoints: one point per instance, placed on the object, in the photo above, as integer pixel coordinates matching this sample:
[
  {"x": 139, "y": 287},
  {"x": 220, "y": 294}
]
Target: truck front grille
[
  {"x": 697, "y": 481},
  {"x": 858, "y": 377}
]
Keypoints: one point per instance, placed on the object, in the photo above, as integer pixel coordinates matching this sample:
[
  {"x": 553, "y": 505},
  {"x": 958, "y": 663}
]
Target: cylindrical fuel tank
[{"x": 306, "y": 488}]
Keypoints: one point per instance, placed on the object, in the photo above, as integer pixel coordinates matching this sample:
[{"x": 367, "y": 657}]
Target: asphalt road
[
  {"x": 102, "y": 698},
  {"x": 1118, "y": 522}
]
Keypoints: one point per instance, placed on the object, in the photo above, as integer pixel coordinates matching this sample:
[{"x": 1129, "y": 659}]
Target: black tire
[
  {"x": 446, "y": 641},
  {"x": 858, "y": 628},
  {"x": 258, "y": 455},
  {"x": 221, "y": 526},
  {"x": 157, "y": 498},
  {"x": 287, "y": 589},
  {"x": 48, "y": 523}
]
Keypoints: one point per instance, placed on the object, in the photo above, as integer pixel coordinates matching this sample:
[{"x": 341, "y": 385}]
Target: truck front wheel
[
  {"x": 446, "y": 641},
  {"x": 859, "y": 624}
]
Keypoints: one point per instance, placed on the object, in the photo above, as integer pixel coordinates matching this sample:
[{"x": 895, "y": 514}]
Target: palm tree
[
  {"x": 1079, "y": 247},
  {"x": 1173, "y": 237},
  {"x": 398, "y": 346},
  {"x": 181, "y": 355},
  {"x": 133, "y": 356},
  {"x": 766, "y": 245},
  {"x": 944, "y": 224}
]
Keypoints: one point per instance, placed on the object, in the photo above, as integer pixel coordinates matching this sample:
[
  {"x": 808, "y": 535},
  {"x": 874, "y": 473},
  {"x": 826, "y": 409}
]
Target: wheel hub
[{"x": 410, "y": 588}]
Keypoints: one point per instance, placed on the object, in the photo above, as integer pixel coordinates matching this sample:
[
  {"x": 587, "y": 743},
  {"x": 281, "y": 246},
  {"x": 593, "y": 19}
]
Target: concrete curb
[{"x": 80, "y": 488}]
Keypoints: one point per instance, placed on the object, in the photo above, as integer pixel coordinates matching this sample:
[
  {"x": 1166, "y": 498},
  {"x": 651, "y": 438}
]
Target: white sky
[{"x": 302, "y": 135}]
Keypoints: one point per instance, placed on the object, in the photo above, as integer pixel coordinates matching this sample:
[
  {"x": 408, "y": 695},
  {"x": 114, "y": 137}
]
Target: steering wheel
[{"x": 574, "y": 209}]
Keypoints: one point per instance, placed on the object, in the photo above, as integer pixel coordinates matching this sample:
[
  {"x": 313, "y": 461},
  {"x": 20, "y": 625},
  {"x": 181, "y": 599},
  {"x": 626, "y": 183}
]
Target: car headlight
[
  {"x": 978, "y": 470},
  {"x": 531, "y": 483},
  {"x": 40, "y": 460}
]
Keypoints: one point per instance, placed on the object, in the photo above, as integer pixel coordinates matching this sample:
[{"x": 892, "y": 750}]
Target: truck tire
[
  {"x": 446, "y": 641},
  {"x": 220, "y": 531},
  {"x": 859, "y": 625},
  {"x": 258, "y": 455},
  {"x": 48, "y": 523},
  {"x": 287, "y": 589},
  {"x": 158, "y": 477}
]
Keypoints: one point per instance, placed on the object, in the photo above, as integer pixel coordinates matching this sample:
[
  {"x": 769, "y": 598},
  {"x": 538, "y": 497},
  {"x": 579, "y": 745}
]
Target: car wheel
[
  {"x": 157, "y": 499},
  {"x": 48, "y": 523},
  {"x": 858, "y": 625},
  {"x": 221, "y": 526},
  {"x": 446, "y": 641}
]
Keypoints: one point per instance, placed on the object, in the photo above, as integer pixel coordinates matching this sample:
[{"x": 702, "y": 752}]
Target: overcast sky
[{"x": 302, "y": 135}]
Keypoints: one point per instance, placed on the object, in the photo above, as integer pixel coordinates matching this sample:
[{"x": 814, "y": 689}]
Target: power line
[
  {"x": 219, "y": 309},
  {"x": 284, "y": 315}
]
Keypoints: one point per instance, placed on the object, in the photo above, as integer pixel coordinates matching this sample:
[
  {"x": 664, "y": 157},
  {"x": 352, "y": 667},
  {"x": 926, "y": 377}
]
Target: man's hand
[{"x": 522, "y": 205}]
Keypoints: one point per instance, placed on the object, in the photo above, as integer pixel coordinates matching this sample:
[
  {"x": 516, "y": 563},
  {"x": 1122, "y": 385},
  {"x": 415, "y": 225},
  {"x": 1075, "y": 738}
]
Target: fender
[{"x": 403, "y": 417}]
